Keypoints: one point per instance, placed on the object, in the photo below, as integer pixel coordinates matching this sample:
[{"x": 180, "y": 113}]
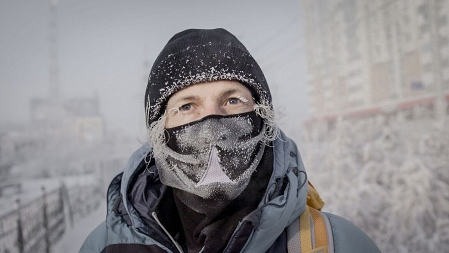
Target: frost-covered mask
[{"x": 213, "y": 157}]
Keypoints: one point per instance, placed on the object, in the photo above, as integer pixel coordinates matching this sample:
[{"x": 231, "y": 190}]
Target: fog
[
  {"x": 361, "y": 86},
  {"x": 108, "y": 47}
]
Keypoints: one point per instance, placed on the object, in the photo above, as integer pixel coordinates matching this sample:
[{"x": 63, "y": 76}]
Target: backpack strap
[{"x": 311, "y": 233}]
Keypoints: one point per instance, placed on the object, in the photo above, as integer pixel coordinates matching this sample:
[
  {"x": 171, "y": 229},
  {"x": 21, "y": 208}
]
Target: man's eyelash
[
  {"x": 243, "y": 99},
  {"x": 176, "y": 109}
]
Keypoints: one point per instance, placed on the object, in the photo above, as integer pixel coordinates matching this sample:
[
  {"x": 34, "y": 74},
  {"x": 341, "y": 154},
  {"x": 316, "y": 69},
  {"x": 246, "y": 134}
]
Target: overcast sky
[{"x": 103, "y": 45}]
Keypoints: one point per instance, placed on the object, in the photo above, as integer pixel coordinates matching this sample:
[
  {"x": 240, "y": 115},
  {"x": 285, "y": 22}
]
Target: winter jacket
[{"x": 263, "y": 230}]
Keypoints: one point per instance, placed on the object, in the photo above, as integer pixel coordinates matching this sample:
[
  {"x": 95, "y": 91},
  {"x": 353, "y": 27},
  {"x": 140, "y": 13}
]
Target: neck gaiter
[
  {"x": 214, "y": 157},
  {"x": 209, "y": 224}
]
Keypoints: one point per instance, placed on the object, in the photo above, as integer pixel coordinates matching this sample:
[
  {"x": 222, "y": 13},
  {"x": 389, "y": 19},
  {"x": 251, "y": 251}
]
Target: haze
[{"x": 107, "y": 48}]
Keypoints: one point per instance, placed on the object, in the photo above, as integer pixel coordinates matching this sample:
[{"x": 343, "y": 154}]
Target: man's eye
[
  {"x": 185, "y": 107},
  {"x": 233, "y": 101}
]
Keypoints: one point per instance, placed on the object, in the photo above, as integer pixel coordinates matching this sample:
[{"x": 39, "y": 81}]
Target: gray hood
[{"x": 274, "y": 213}]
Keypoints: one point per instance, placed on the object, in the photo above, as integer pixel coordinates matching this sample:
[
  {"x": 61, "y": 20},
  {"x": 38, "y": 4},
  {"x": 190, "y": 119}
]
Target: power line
[{"x": 273, "y": 36}]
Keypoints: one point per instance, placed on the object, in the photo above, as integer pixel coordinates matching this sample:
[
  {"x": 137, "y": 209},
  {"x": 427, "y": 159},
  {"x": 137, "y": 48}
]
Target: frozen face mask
[{"x": 213, "y": 157}]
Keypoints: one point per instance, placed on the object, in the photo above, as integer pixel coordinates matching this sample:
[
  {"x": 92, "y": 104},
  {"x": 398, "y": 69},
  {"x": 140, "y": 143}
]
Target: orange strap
[
  {"x": 313, "y": 198},
  {"x": 301, "y": 240},
  {"x": 300, "y": 236},
  {"x": 319, "y": 227},
  {"x": 305, "y": 232}
]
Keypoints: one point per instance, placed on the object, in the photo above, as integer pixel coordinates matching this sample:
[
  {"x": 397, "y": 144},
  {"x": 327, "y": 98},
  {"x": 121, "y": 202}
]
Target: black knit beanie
[{"x": 201, "y": 55}]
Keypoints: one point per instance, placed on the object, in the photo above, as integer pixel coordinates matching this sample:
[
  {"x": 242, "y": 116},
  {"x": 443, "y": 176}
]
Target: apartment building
[{"x": 368, "y": 57}]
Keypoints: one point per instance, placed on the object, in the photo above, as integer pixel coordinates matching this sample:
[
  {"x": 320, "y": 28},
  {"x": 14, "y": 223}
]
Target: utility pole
[{"x": 54, "y": 96}]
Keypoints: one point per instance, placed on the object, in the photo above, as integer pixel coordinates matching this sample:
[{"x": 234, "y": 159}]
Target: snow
[
  {"x": 31, "y": 188},
  {"x": 74, "y": 237},
  {"x": 391, "y": 180}
]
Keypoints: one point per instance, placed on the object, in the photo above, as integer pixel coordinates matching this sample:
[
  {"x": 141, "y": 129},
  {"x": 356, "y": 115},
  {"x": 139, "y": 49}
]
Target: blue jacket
[{"x": 263, "y": 230}]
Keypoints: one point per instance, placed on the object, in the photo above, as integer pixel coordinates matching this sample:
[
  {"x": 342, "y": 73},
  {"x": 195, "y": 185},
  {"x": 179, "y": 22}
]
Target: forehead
[{"x": 211, "y": 89}]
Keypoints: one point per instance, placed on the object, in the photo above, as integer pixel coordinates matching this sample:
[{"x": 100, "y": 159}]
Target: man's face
[
  {"x": 212, "y": 98},
  {"x": 213, "y": 157}
]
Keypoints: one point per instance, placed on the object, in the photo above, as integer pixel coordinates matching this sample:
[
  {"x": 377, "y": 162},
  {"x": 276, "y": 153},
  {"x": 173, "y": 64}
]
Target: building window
[{"x": 442, "y": 21}]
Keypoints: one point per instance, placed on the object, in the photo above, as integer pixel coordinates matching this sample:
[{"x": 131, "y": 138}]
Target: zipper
[
  {"x": 168, "y": 234},
  {"x": 239, "y": 225}
]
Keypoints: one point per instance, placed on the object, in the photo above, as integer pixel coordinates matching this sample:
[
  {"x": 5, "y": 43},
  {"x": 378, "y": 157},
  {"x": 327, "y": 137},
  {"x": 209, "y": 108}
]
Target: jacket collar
[
  {"x": 284, "y": 201},
  {"x": 286, "y": 196}
]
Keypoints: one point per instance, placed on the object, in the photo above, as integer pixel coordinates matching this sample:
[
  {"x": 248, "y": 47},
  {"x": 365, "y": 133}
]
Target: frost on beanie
[{"x": 201, "y": 55}]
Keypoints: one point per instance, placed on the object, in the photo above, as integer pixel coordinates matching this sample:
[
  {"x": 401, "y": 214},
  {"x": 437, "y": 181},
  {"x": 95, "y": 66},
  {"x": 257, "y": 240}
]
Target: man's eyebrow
[{"x": 229, "y": 92}]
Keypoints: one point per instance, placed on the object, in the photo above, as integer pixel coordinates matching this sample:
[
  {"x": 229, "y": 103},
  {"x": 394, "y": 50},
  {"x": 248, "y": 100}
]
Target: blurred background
[{"x": 361, "y": 86}]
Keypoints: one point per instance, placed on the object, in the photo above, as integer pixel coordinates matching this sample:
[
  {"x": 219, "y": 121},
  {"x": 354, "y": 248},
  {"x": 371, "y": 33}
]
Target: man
[{"x": 217, "y": 175}]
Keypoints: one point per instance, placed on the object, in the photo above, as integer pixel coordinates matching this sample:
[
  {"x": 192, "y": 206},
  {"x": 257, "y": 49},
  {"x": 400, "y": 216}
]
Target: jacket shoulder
[
  {"x": 348, "y": 237},
  {"x": 96, "y": 241}
]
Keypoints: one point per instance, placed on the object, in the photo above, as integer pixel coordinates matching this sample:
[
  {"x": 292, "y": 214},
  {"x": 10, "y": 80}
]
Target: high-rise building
[{"x": 368, "y": 57}]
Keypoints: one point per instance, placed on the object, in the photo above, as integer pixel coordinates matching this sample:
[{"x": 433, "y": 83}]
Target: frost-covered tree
[{"x": 392, "y": 180}]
